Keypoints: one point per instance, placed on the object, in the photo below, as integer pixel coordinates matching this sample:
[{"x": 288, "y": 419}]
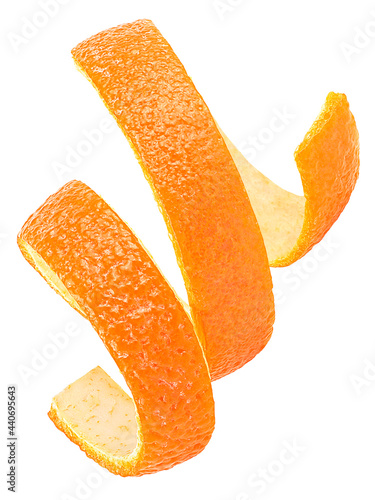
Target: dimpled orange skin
[
  {"x": 215, "y": 234},
  {"x": 136, "y": 314},
  {"x": 328, "y": 162}
]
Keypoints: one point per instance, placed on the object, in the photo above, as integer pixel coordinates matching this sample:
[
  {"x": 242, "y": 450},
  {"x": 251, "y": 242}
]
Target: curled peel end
[
  {"x": 92, "y": 259},
  {"x": 108, "y": 433},
  {"x": 328, "y": 162}
]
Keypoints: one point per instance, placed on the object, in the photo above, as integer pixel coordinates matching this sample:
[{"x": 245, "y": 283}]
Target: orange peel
[
  {"x": 94, "y": 261},
  {"x": 228, "y": 223},
  {"x": 328, "y": 163}
]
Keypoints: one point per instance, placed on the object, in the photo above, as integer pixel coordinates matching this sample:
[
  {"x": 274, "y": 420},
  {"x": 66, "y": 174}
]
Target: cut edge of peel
[{"x": 120, "y": 465}]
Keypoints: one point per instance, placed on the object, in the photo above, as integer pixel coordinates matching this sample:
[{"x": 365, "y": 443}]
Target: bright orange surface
[
  {"x": 203, "y": 187},
  {"x": 328, "y": 162},
  {"x": 136, "y": 314},
  {"x": 210, "y": 220}
]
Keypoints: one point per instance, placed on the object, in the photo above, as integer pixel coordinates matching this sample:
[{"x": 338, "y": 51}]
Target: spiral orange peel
[{"x": 228, "y": 223}]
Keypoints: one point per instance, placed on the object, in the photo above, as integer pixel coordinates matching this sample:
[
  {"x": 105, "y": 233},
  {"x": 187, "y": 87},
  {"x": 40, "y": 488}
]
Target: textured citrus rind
[
  {"x": 203, "y": 186},
  {"x": 75, "y": 239},
  {"x": 196, "y": 184}
]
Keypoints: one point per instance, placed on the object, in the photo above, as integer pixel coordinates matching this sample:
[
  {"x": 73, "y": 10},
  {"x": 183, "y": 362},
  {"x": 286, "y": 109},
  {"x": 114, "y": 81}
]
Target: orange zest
[
  {"x": 228, "y": 223},
  {"x": 89, "y": 255}
]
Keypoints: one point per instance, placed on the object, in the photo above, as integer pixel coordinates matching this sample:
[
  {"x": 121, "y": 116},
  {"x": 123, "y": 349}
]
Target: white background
[{"x": 257, "y": 56}]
